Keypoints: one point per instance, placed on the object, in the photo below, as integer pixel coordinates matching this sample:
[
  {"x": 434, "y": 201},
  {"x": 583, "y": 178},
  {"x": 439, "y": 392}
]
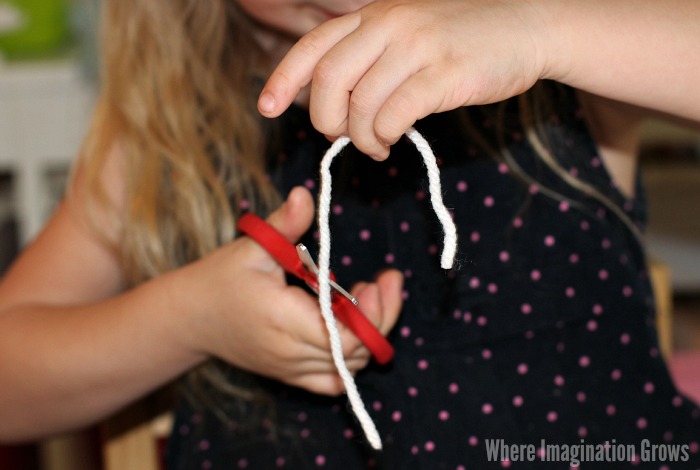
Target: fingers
[
  {"x": 381, "y": 301},
  {"x": 293, "y": 218},
  {"x": 296, "y": 69}
]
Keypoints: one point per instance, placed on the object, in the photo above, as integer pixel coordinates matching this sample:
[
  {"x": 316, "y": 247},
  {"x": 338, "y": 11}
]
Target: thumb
[{"x": 294, "y": 217}]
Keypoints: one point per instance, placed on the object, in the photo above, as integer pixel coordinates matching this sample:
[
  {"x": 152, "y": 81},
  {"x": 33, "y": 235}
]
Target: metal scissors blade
[{"x": 309, "y": 264}]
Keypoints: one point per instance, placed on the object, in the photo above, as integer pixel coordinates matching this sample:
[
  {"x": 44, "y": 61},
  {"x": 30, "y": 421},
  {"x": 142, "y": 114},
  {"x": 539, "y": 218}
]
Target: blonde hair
[
  {"x": 176, "y": 80},
  {"x": 176, "y": 97}
]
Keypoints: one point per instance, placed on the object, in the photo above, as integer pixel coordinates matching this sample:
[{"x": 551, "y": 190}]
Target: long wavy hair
[{"x": 178, "y": 82}]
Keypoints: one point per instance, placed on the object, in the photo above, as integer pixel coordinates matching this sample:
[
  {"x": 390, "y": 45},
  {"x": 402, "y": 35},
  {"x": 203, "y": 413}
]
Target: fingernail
[{"x": 266, "y": 102}]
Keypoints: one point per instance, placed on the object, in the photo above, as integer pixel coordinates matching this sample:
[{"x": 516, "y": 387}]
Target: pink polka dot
[
  {"x": 534, "y": 189},
  {"x": 649, "y": 388},
  {"x": 625, "y": 338},
  {"x": 389, "y": 258},
  {"x": 585, "y": 225},
  {"x": 481, "y": 320},
  {"x": 429, "y": 446},
  {"x": 414, "y": 450},
  {"x": 535, "y": 275},
  {"x": 597, "y": 309},
  {"x": 549, "y": 240},
  {"x": 486, "y": 354},
  {"x": 453, "y": 388},
  {"x": 668, "y": 436},
  {"x": 489, "y": 201},
  {"x": 627, "y": 291},
  {"x": 564, "y": 206},
  {"x": 337, "y": 209},
  {"x": 595, "y": 162},
  {"x": 310, "y": 184},
  {"x": 244, "y": 204},
  {"x": 522, "y": 369},
  {"x": 580, "y": 397},
  {"x": 473, "y": 441},
  {"x": 642, "y": 423},
  {"x": 475, "y": 237},
  {"x": 443, "y": 415},
  {"x": 502, "y": 168},
  {"x": 393, "y": 171},
  {"x": 570, "y": 292},
  {"x": 474, "y": 282},
  {"x": 603, "y": 274},
  {"x": 584, "y": 361},
  {"x": 616, "y": 374},
  {"x": 412, "y": 391},
  {"x": 677, "y": 401},
  {"x": 243, "y": 463},
  {"x": 348, "y": 433},
  {"x": 396, "y": 416},
  {"x": 405, "y": 227},
  {"x": 517, "y": 222},
  {"x": 304, "y": 433},
  {"x": 405, "y": 331},
  {"x": 558, "y": 380},
  {"x": 517, "y": 401},
  {"x": 365, "y": 235},
  {"x": 505, "y": 463},
  {"x": 573, "y": 258},
  {"x": 552, "y": 416},
  {"x": 432, "y": 249},
  {"x": 606, "y": 244},
  {"x": 592, "y": 325},
  {"x": 462, "y": 186},
  {"x": 346, "y": 260},
  {"x": 280, "y": 462},
  {"x": 377, "y": 406},
  {"x": 422, "y": 364},
  {"x": 504, "y": 256},
  {"x": 694, "y": 447},
  {"x": 487, "y": 408},
  {"x": 203, "y": 444},
  {"x": 582, "y": 432},
  {"x": 526, "y": 309},
  {"x": 467, "y": 317},
  {"x": 610, "y": 410},
  {"x": 529, "y": 334},
  {"x": 492, "y": 288}
]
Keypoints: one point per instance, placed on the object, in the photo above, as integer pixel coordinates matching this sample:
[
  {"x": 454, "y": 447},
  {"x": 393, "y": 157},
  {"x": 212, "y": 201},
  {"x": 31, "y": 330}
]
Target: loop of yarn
[{"x": 447, "y": 259}]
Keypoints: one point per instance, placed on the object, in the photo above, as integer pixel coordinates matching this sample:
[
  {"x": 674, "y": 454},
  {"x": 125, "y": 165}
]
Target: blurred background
[{"x": 48, "y": 83}]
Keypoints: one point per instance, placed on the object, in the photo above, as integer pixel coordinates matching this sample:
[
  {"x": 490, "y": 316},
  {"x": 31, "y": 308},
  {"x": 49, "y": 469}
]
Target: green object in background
[{"x": 32, "y": 28}]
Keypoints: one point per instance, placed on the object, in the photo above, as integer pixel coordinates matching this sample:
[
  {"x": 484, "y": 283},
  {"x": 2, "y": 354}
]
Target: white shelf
[{"x": 44, "y": 113}]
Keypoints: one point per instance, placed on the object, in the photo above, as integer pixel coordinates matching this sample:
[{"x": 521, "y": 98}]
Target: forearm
[
  {"x": 642, "y": 52},
  {"x": 63, "y": 367}
]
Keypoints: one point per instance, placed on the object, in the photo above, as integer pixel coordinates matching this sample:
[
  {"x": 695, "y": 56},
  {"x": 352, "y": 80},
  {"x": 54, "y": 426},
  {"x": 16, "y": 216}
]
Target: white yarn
[{"x": 324, "y": 288}]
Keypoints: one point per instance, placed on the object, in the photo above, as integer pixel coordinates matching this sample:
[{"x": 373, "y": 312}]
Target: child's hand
[
  {"x": 254, "y": 320},
  {"x": 376, "y": 71}
]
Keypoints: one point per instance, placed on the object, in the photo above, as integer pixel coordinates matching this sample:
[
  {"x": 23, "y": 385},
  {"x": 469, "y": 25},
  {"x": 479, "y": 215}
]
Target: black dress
[{"x": 543, "y": 336}]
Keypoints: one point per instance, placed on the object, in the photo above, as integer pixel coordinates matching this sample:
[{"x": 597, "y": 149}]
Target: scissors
[{"x": 297, "y": 261}]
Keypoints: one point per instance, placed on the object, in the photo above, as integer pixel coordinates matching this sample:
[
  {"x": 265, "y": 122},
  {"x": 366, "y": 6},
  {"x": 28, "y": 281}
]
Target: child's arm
[
  {"x": 377, "y": 70},
  {"x": 74, "y": 348}
]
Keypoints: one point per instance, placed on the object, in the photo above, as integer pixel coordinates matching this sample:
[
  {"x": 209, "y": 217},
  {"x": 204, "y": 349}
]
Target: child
[{"x": 542, "y": 338}]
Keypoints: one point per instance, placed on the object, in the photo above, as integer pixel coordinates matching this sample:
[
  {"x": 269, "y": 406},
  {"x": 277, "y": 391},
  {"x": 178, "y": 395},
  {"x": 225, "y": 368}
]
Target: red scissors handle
[{"x": 343, "y": 307}]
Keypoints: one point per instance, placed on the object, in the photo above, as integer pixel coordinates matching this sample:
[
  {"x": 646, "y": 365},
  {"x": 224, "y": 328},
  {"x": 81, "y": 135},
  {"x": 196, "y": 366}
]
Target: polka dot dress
[{"x": 543, "y": 335}]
